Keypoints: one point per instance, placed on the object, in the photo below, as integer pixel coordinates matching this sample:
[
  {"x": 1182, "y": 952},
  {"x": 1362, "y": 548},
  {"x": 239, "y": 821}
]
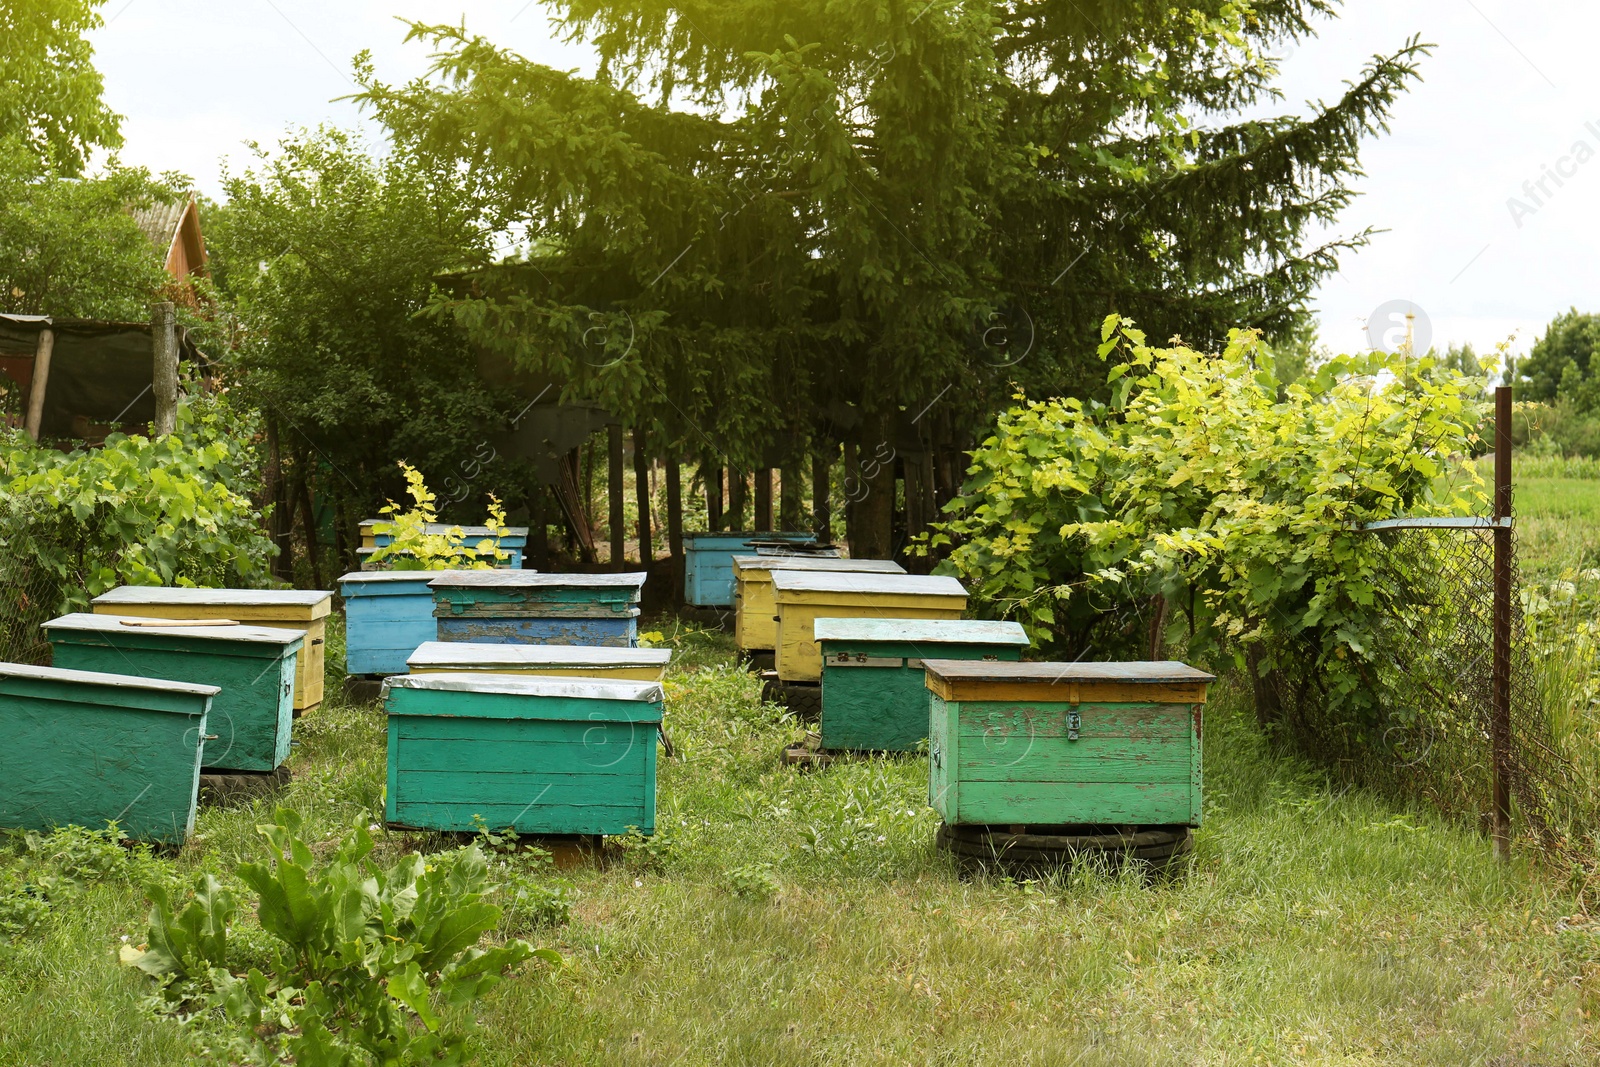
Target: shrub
[
  {"x": 412, "y": 547},
  {"x": 366, "y": 964}
]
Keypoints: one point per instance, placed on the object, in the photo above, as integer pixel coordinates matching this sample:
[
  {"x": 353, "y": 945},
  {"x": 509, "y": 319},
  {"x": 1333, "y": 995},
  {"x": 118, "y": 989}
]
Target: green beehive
[
  {"x": 83, "y": 749},
  {"x": 253, "y": 716},
  {"x": 874, "y": 695},
  {"x": 1065, "y": 744},
  {"x": 540, "y": 755}
]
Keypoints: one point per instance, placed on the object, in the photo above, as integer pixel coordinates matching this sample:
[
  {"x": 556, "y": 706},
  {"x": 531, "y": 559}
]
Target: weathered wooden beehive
[
  {"x": 586, "y": 661},
  {"x": 525, "y": 607},
  {"x": 252, "y": 718},
  {"x": 540, "y": 755},
  {"x": 513, "y": 540},
  {"x": 83, "y": 748},
  {"x": 874, "y": 693},
  {"x": 803, "y": 597},
  {"x": 290, "y": 609},
  {"x": 755, "y": 625},
  {"x": 387, "y": 614},
  {"x": 1065, "y": 744},
  {"x": 708, "y": 561}
]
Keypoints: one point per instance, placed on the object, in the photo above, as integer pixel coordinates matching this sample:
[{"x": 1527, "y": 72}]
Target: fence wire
[
  {"x": 1426, "y": 736},
  {"x": 36, "y": 585}
]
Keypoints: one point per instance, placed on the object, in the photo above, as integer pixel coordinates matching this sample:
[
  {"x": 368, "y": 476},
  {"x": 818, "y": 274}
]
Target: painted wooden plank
[
  {"x": 1109, "y": 692},
  {"x": 453, "y": 604},
  {"x": 569, "y": 754},
  {"x": 308, "y": 603},
  {"x": 498, "y": 579},
  {"x": 251, "y": 718},
  {"x": 944, "y": 751},
  {"x": 435, "y": 655},
  {"x": 757, "y": 566},
  {"x": 264, "y": 641},
  {"x": 382, "y": 630},
  {"x": 534, "y": 784},
  {"x": 869, "y": 631},
  {"x": 1068, "y": 803},
  {"x": 998, "y": 721},
  {"x": 1087, "y": 761},
  {"x": 1146, "y": 671},
  {"x": 404, "y": 562},
  {"x": 87, "y": 747},
  {"x": 568, "y": 689},
  {"x": 508, "y": 534},
  {"x": 620, "y": 633},
  {"x": 919, "y": 585},
  {"x": 799, "y": 659},
  {"x": 708, "y": 580},
  {"x": 525, "y": 818},
  {"x": 554, "y": 730}
]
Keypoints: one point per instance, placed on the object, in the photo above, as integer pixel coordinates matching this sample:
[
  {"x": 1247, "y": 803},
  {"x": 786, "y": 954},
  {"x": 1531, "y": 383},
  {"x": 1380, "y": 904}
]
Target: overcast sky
[{"x": 1508, "y": 97}]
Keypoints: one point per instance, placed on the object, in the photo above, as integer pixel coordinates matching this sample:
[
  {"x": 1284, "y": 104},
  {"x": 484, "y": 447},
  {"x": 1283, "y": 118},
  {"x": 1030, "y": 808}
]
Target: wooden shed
[
  {"x": 540, "y": 755},
  {"x": 803, "y": 597},
  {"x": 587, "y": 661},
  {"x": 84, "y": 748},
  {"x": 252, "y": 717},
  {"x": 874, "y": 696},
  {"x": 526, "y": 607},
  {"x": 708, "y": 560},
  {"x": 295, "y": 609},
  {"x": 1065, "y": 744},
  {"x": 755, "y": 619}
]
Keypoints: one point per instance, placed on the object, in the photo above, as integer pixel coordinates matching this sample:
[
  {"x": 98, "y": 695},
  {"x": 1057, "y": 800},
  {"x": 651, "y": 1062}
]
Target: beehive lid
[
  {"x": 83, "y": 622},
  {"x": 171, "y": 596},
  {"x": 456, "y": 654},
  {"x": 798, "y": 581},
  {"x": 531, "y": 686},
  {"x": 357, "y": 577},
  {"x": 120, "y": 681},
  {"x": 513, "y": 579},
  {"x": 922, "y": 631},
  {"x": 749, "y": 535},
  {"x": 1131, "y": 681},
  {"x": 816, "y": 563}
]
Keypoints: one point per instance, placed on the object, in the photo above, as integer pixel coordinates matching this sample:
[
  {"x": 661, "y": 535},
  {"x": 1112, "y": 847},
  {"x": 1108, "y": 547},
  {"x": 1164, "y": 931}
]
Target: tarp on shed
[{"x": 100, "y": 372}]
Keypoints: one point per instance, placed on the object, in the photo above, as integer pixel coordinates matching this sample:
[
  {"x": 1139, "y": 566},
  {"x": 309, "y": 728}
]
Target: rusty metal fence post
[{"x": 1500, "y": 712}]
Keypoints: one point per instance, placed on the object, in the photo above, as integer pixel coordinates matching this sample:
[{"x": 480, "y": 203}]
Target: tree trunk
[
  {"x": 308, "y": 513},
  {"x": 821, "y": 498},
  {"x": 916, "y": 521},
  {"x": 789, "y": 486},
  {"x": 763, "y": 518},
  {"x": 278, "y": 523},
  {"x": 712, "y": 477},
  {"x": 641, "y": 492},
  {"x": 614, "y": 492},
  {"x": 736, "y": 495},
  {"x": 873, "y": 515},
  {"x": 675, "y": 523},
  {"x": 851, "y": 481},
  {"x": 537, "y": 555},
  {"x": 1158, "y": 627}
]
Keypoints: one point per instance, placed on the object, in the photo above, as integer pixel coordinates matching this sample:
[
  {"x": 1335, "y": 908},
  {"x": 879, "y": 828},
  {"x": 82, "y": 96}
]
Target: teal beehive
[
  {"x": 538, "y": 755},
  {"x": 83, "y": 748},
  {"x": 252, "y": 717}
]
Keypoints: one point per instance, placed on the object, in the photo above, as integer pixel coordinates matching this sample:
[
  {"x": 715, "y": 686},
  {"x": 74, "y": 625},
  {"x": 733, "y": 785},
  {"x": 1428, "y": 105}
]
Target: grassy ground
[{"x": 1314, "y": 927}]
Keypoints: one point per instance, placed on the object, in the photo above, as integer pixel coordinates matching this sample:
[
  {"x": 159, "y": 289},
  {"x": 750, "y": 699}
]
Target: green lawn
[{"x": 1315, "y": 927}]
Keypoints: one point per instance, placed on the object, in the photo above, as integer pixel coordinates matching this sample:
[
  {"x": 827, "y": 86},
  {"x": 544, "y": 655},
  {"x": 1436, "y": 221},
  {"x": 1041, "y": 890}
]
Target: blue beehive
[
  {"x": 524, "y": 607},
  {"x": 387, "y": 614},
  {"x": 708, "y": 560}
]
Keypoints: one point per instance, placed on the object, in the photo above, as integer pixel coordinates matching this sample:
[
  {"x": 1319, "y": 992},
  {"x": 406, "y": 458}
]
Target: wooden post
[
  {"x": 763, "y": 520},
  {"x": 641, "y": 492},
  {"x": 41, "y": 379},
  {"x": 164, "y": 366},
  {"x": 822, "y": 494},
  {"x": 619, "y": 535},
  {"x": 675, "y": 522},
  {"x": 1500, "y": 711},
  {"x": 736, "y": 495},
  {"x": 712, "y": 478}
]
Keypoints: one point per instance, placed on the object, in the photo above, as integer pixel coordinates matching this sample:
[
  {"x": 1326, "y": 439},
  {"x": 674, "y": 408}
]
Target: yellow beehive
[
  {"x": 295, "y": 609},
  {"x": 803, "y": 597},
  {"x": 580, "y": 661},
  {"x": 755, "y": 623}
]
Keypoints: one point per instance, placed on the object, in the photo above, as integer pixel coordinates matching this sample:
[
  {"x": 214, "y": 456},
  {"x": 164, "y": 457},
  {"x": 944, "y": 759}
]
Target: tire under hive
[
  {"x": 803, "y": 699},
  {"x": 1042, "y": 850}
]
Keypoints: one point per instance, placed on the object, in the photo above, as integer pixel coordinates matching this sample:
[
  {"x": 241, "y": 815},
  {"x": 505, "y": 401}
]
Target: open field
[{"x": 1315, "y": 927}]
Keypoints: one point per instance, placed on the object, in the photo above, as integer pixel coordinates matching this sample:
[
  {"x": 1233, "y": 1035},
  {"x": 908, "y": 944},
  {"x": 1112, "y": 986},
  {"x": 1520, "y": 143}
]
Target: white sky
[{"x": 1508, "y": 91}]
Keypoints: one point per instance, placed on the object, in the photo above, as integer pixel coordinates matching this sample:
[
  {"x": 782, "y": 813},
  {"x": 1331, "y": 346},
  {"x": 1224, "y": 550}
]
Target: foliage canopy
[{"x": 50, "y": 92}]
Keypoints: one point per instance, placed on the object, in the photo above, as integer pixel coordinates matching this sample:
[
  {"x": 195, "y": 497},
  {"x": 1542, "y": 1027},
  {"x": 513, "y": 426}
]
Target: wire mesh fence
[
  {"x": 1427, "y": 732},
  {"x": 37, "y": 582}
]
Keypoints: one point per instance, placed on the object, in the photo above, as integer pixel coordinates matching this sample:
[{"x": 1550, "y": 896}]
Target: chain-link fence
[
  {"x": 1427, "y": 733},
  {"x": 36, "y": 584}
]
